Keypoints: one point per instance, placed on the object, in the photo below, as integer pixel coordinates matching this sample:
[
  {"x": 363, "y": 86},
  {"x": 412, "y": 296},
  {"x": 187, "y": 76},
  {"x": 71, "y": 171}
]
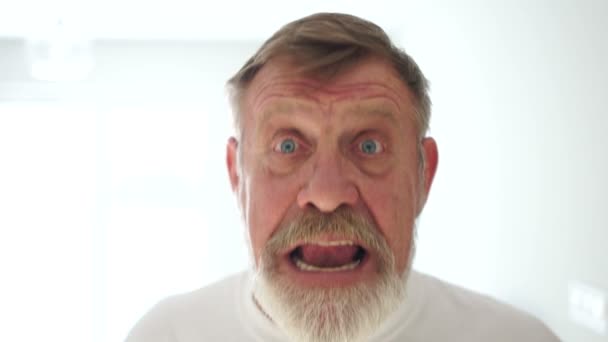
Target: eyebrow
[
  {"x": 357, "y": 114},
  {"x": 360, "y": 110},
  {"x": 376, "y": 111}
]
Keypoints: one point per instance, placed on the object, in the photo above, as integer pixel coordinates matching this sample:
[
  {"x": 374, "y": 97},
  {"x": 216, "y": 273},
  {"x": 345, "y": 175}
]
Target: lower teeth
[{"x": 307, "y": 267}]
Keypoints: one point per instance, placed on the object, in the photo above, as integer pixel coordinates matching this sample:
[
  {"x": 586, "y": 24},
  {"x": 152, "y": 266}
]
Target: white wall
[
  {"x": 113, "y": 192},
  {"x": 519, "y": 205}
]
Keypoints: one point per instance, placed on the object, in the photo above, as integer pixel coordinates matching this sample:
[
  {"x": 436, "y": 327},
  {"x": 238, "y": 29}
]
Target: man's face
[
  {"x": 318, "y": 156},
  {"x": 347, "y": 142}
]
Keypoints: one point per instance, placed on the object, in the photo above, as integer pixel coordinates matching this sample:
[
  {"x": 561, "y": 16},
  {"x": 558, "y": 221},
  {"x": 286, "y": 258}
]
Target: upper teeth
[{"x": 334, "y": 243}]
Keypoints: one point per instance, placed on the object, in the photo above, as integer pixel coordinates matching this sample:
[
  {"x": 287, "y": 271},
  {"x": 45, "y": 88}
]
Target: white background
[{"x": 113, "y": 192}]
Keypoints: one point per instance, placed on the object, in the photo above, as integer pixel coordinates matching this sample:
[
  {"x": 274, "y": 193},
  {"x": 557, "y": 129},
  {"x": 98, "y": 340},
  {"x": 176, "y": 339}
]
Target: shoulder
[
  {"x": 194, "y": 315},
  {"x": 478, "y": 317}
]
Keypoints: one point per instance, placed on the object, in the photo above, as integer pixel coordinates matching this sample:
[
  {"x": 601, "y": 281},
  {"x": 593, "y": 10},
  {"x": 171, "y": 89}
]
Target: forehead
[{"x": 372, "y": 83}]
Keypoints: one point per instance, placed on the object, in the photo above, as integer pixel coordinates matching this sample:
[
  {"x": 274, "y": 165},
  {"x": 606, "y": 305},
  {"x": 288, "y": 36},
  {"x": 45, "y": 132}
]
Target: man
[{"x": 331, "y": 167}]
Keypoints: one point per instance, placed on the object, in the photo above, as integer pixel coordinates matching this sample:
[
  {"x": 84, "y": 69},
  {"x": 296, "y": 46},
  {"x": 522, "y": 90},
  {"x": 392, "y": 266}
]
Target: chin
[
  {"x": 329, "y": 278},
  {"x": 339, "y": 306}
]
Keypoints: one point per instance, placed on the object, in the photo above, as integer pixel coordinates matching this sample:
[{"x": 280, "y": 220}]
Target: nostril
[
  {"x": 311, "y": 207},
  {"x": 328, "y": 198}
]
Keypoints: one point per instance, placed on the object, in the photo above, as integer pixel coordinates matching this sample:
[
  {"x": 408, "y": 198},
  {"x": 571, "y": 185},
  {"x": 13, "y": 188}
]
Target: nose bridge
[{"x": 330, "y": 183}]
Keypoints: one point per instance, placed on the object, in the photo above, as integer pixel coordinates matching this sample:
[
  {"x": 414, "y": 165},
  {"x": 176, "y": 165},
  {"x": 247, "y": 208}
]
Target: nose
[{"x": 329, "y": 185}]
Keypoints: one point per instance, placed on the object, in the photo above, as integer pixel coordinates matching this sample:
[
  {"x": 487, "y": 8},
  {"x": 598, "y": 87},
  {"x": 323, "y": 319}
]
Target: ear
[
  {"x": 232, "y": 162},
  {"x": 431, "y": 159}
]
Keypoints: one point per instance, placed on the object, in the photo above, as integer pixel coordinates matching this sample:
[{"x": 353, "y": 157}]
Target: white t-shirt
[{"x": 434, "y": 311}]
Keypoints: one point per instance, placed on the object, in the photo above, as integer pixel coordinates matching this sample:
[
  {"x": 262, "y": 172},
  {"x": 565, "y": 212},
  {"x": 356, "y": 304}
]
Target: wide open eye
[
  {"x": 370, "y": 146},
  {"x": 286, "y": 146}
]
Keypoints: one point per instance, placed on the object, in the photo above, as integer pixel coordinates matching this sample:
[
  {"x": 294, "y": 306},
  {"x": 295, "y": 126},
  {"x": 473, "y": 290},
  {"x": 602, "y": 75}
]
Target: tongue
[{"x": 327, "y": 256}]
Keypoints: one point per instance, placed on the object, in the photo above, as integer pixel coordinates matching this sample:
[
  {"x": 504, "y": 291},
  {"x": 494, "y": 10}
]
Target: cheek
[
  {"x": 270, "y": 199},
  {"x": 392, "y": 203}
]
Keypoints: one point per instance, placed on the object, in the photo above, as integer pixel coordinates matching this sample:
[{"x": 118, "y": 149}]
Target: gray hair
[{"x": 323, "y": 44}]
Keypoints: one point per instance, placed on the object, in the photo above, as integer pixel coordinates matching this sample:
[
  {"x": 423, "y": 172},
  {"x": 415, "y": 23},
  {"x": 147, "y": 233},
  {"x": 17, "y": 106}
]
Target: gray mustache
[{"x": 308, "y": 225}]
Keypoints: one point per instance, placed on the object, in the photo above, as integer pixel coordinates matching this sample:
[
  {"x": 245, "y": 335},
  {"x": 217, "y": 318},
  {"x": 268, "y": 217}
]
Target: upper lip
[{"x": 324, "y": 242}]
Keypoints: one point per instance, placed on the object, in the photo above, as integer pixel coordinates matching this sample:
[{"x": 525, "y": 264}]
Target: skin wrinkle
[
  {"x": 329, "y": 172},
  {"x": 335, "y": 86},
  {"x": 355, "y": 112},
  {"x": 391, "y": 83},
  {"x": 338, "y": 93},
  {"x": 359, "y": 115},
  {"x": 358, "y": 112}
]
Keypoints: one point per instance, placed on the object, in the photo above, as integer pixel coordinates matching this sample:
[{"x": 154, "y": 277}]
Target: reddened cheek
[{"x": 272, "y": 198}]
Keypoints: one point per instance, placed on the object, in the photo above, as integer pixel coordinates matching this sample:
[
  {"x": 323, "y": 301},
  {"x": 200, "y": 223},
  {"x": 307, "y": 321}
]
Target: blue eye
[
  {"x": 287, "y": 146},
  {"x": 370, "y": 146}
]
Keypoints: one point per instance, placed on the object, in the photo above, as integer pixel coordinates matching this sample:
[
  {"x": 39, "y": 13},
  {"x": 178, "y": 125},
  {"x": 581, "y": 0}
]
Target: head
[{"x": 331, "y": 166}]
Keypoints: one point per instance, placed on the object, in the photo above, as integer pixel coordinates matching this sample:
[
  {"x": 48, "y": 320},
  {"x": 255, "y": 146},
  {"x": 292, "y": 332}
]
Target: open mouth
[{"x": 331, "y": 256}]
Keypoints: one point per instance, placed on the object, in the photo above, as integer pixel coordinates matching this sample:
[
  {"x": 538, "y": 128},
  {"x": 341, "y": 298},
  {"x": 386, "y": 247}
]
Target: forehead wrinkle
[
  {"x": 298, "y": 89},
  {"x": 372, "y": 96},
  {"x": 324, "y": 94},
  {"x": 365, "y": 90},
  {"x": 283, "y": 81},
  {"x": 328, "y": 99},
  {"x": 283, "y": 105},
  {"x": 358, "y": 87},
  {"x": 374, "y": 111},
  {"x": 289, "y": 108},
  {"x": 282, "y": 108}
]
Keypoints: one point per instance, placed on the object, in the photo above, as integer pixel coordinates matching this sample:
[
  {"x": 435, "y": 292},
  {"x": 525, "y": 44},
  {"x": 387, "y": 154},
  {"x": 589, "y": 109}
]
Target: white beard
[{"x": 330, "y": 314}]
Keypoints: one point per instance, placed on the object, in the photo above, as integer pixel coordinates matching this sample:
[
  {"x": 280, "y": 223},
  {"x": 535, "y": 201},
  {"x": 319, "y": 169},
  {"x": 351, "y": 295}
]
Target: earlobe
[{"x": 232, "y": 162}]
